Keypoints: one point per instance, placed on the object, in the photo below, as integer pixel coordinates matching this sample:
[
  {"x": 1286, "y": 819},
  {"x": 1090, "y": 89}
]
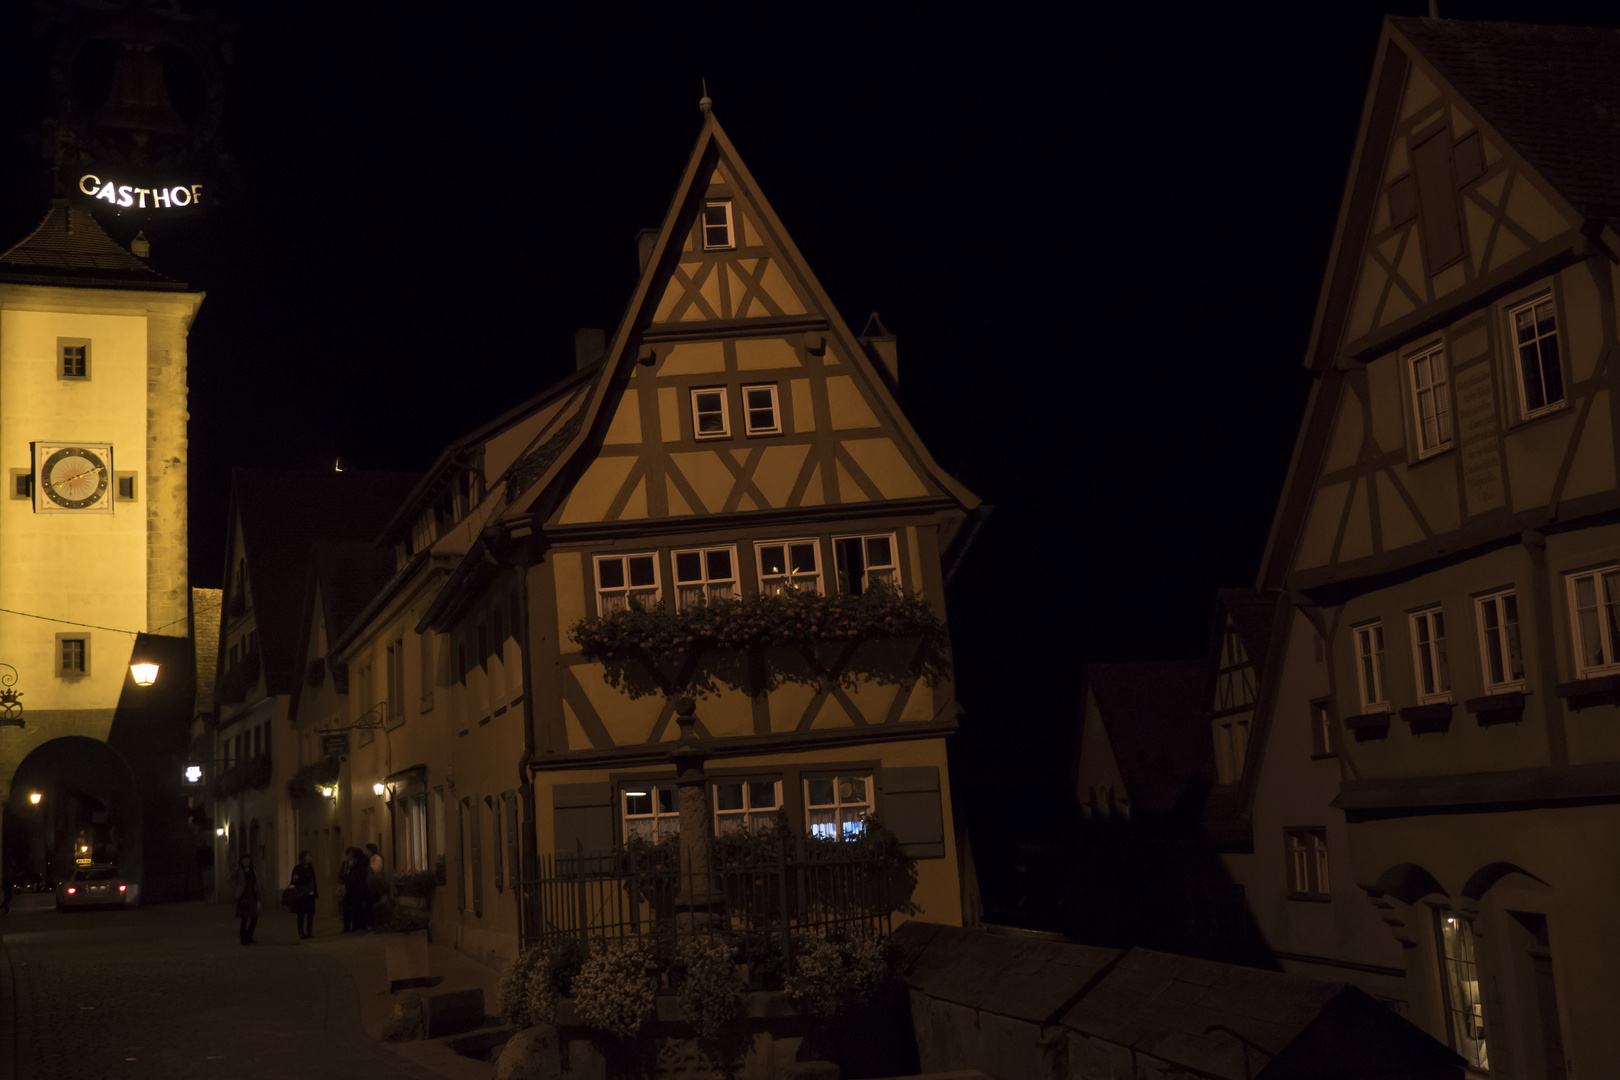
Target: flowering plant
[
  {"x": 614, "y": 989},
  {"x": 531, "y": 985},
  {"x": 654, "y": 649},
  {"x": 710, "y": 990},
  {"x": 835, "y": 971}
]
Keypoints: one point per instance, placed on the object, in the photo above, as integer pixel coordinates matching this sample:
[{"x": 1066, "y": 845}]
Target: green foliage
[
  {"x": 702, "y": 647},
  {"x": 532, "y": 984},
  {"x": 712, "y": 993},
  {"x": 419, "y": 883},
  {"x": 615, "y": 989},
  {"x": 306, "y": 781},
  {"x": 836, "y": 971}
]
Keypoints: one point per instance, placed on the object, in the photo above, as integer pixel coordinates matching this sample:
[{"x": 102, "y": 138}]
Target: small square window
[
  {"x": 651, "y": 811},
  {"x": 705, "y": 574},
  {"x": 1431, "y": 401},
  {"x": 1534, "y": 333},
  {"x": 837, "y": 806},
  {"x": 72, "y": 358},
  {"x": 710, "y": 419},
  {"x": 22, "y": 484},
  {"x": 72, "y": 655},
  {"x": 717, "y": 234},
  {"x": 863, "y": 561},
  {"x": 624, "y": 581},
  {"x": 745, "y": 805},
  {"x": 125, "y": 489},
  {"x": 1307, "y": 864},
  {"x": 788, "y": 564},
  {"x": 760, "y": 413}
]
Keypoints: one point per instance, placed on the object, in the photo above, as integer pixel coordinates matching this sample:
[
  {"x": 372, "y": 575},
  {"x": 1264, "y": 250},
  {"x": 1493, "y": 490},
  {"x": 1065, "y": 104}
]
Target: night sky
[{"x": 1099, "y": 241}]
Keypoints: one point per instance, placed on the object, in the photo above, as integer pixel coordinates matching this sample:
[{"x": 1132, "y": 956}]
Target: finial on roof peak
[{"x": 704, "y": 104}]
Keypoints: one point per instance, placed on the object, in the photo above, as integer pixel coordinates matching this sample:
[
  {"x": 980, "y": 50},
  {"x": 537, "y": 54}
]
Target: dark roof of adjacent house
[
  {"x": 205, "y": 607},
  {"x": 1254, "y": 616},
  {"x": 1553, "y": 92},
  {"x": 283, "y": 514},
  {"x": 349, "y": 573},
  {"x": 71, "y": 248},
  {"x": 1157, "y": 723}
]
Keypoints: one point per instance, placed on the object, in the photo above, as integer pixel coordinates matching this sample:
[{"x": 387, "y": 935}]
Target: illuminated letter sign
[{"x": 125, "y": 195}]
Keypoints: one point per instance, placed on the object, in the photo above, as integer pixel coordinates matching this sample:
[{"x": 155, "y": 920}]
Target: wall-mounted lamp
[
  {"x": 34, "y": 797},
  {"x": 145, "y": 673},
  {"x": 378, "y": 788},
  {"x": 220, "y": 831},
  {"x": 329, "y": 792}
]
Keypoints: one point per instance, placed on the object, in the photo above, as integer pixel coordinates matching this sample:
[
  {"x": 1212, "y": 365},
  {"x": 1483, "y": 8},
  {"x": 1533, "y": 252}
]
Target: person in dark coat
[
  {"x": 244, "y": 885},
  {"x": 304, "y": 894},
  {"x": 356, "y": 898}
]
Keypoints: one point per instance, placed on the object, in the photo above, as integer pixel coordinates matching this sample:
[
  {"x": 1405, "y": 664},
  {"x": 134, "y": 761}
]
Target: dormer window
[{"x": 717, "y": 234}]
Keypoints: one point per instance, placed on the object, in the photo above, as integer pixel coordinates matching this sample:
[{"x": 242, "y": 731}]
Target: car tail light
[
  {"x": 71, "y": 890},
  {"x": 121, "y": 888}
]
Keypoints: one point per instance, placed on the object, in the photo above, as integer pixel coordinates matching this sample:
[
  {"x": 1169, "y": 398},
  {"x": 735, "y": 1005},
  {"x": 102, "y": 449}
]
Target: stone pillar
[
  {"x": 164, "y": 485},
  {"x": 696, "y": 896}
]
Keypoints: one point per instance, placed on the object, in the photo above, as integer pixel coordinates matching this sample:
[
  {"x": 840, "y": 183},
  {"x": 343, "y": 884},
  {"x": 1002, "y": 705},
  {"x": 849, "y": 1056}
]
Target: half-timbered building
[{"x": 1450, "y": 512}]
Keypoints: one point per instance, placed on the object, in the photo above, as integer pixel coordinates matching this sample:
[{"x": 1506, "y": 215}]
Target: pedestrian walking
[
  {"x": 376, "y": 858},
  {"x": 345, "y": 905},
  {"x": 360, "y": 890},
  {"x": 244, "y": 884},
  {"x": 304, "y": 893}
]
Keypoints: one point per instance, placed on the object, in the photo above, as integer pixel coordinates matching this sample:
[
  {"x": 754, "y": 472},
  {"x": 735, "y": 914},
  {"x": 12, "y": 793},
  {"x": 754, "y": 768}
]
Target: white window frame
[
  {"x": 889, "y": 570},
  {"x": 1429, "y": 377},
  {"x": 725, "y": 414},
  {"x": 1370, "y": 664},
  {"x": 1516, "y": 356},
  {"x": 664, "y": 823},
  {"x": 848, "y": 814},
  {"x": 1431, "y": 666},
  {"x": 730, "y": 226},
  {"x": 607, "y": 597},
  {"x": 707, "y": 587},
  {"x": 1509, "y": 639},
  {"x": 773, "y": 584},
  {"x": 749, "y": 816},
  {"x": 775, "y": 426},
  {"x": 1608, "y": 637},
  {"x": 1308, "y": 876}
]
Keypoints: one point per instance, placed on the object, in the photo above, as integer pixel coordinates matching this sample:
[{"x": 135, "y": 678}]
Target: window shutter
[
  {"x": 582, "y": 818},
  {"x": 476, "y": 830},
  {"x": 911, "y": 809},
  {"x": 1438, "y": 212},
  {"x": 461, "y": 855},
  {"x": 513, "y": 856},
  {"x": 495, "y": 850}
]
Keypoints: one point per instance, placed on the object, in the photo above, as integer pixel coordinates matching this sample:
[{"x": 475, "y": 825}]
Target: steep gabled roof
[
  {"x": 343, "y": 576},
  {"x": 70, "y": 248},
  {"x": 283, "y": 514},
  {"x": 1157, "y": 723},
  {"x": 1552, "y": 91}
]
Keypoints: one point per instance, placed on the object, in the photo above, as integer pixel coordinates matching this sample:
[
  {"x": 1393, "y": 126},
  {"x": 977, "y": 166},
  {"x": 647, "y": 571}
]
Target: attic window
[{"x": 717, "y": 235}]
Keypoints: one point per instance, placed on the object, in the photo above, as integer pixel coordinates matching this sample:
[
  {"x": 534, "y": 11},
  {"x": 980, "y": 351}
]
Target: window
[
  {"x": 745, "y": 805},
  {"x": 125, "y": 488},
  {"x": 863, "y": 561},
  {"x": 1429, "y": 656},
  {"x": 1502, "y": 659},
  {"x": 1307, "y": 864},
  {"x": 709, "y": 417},
  {"x": 760, "y": 414},
  {"x": 1322, "y": 741},
  {"x": 705, "y": 574},
  {"x": 1231, "y": 747},
  {"x": 837, "y": 806},
  {"x": 626, "y": 580},
  {"x": 1595, "y": 605},
  {"x": 650, "y": 811},
  {"x": 1431, "y": 391},
  {"x": 22, "y": 483},
  {"x": 1535, "y": 334},
  {"x": 417, "y": 833},
  {"x": 72, "y": 655},
  {"x": 72, "y": 358},
  {"x": 396, "y": 682},
  {"x": 717, "y": 234},
  {"x": 1370, "y": 666},
  {"x": 788, "y": 564},
  {"x": 1459, "y": 985}
]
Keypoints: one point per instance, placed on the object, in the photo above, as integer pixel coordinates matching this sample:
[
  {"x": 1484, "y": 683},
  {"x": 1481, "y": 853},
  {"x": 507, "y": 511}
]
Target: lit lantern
[
  {"x": 145, "y": 673},
  {"x": 377, "y": 788},
  {"x": 34, "y": 797}
]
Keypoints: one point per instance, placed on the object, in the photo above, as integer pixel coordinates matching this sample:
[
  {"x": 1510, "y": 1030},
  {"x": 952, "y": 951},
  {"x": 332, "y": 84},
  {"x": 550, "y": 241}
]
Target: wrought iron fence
[{"x": 763, "y": 892}]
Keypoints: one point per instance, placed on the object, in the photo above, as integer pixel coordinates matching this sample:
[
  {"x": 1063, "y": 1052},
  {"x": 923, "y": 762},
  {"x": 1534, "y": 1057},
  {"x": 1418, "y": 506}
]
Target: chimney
[
  {"x": 646, "y": 240},
  {"x": 880, "y": 346},
  {"x": 589, "y": 347}
]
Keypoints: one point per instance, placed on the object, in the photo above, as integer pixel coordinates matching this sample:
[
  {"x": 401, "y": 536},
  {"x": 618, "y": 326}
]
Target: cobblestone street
[{"x": 166, "y": 992}]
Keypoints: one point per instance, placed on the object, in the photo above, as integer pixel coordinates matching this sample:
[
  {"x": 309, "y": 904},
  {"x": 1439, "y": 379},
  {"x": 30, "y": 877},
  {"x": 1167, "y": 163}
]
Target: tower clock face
[{"x": 73, "y": 477}]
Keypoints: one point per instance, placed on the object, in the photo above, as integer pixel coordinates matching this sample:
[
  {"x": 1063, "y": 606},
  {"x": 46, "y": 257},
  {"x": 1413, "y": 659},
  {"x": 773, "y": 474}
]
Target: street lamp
[
  {"x": 145, "y": 673},
  {"x": 34, "y": 797},
  {"x": 377, "y": 788}
]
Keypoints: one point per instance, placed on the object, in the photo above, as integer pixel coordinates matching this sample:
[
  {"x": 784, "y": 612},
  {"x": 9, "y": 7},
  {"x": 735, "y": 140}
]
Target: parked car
[{"x": 92, "y": 886}]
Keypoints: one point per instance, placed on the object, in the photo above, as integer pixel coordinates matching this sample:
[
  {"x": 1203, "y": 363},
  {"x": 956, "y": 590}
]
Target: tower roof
[{"x": 71, "y": 248}]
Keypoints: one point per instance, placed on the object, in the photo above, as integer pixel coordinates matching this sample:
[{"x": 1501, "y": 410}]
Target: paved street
[{"x": 166, "y": 992}]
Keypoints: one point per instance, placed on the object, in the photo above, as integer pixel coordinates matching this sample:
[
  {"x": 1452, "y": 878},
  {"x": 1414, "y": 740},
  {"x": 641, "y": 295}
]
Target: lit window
[
  {"x": 709, "y": 416},
  {"x": 1429, "y": 656},
  {"x": 1595, "y": 605},
  {"x": 760, "y": 414},
  {"x": 1499, "y": 640},
  {"x": 624, "y": 581},
  {"x": 704, "y": 575},
  {"x": 1431, "y": 391},
  {"x": 1322, "y": 742},
  {"x": 1370, "y": 667},
  {"x": 745, "y": 805},
  {"x": 838, "y": 806},
  {"x": 1307, "y": 864},
  {"x": 1459, "y": 982},
  {"x": 717, "y": 234},
  {"x": 865, "y": 560},
  {"x": 1535, "y": 336},
  {"x": 651, "y": 811},
  {"x": 788, "y": 564}
]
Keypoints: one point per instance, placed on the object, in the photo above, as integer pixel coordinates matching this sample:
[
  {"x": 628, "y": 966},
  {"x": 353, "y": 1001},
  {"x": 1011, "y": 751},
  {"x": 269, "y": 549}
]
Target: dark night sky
[{"x": 1099, "y": 242}]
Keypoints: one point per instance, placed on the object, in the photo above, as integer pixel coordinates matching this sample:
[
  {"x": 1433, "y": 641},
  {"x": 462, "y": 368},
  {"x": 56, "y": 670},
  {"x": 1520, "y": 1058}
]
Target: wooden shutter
[
  {"x": 514, "y": 857},
  {"x": 475, "y": 829},
  {"x": 911, "y": 809},
  {"x": 495, "y": 848},
  {"x": 1438, "y": 212},
  {"x": 461, "y": 855},
  {"x": 582, "y": 816}
]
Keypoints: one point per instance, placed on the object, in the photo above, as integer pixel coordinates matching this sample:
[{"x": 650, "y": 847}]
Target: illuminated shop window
[
  {"x": 717, "y": 233},
  {"x": 624, "y": 581},
  {"x": 788, "y": 564},
  {"x": 1459, "y": 981},
  {"x": 710, "y": 418},
  {"x": 705, "y": 574},
  {"x": 837, "y": 806}
]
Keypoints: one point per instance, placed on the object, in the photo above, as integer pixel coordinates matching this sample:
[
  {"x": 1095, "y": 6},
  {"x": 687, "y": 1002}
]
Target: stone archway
[{"x": 89, "y": 807}]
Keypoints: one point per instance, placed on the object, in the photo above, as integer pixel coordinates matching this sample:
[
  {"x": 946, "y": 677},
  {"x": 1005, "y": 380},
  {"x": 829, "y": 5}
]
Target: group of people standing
[{"x": 354, "y": 891}]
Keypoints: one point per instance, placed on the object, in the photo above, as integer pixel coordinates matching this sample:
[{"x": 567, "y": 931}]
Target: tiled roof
[
  {"x": 283, "y": 514},
  {"x": 1552, "y": 91},
  {"x": 70, "y": 248},
  {"x": 350, "y": 573},
  {"x": 1157, "y": 724},
  {"x": 205, "y": 605}
]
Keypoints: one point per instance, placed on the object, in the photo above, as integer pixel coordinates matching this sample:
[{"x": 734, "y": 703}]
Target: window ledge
[
  {"x": 1312, "y": 898},
  {"x": 1503, "y": 707},
  {"x": 1324, "y": 755},
  {"x": 1584, "y": 693},
  {"x": 1371, "y": 725},
  {"x": 1426, "y": 718}
]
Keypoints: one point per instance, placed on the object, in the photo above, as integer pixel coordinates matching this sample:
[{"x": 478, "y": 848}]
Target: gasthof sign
[{"x": 128, "y": 195}]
